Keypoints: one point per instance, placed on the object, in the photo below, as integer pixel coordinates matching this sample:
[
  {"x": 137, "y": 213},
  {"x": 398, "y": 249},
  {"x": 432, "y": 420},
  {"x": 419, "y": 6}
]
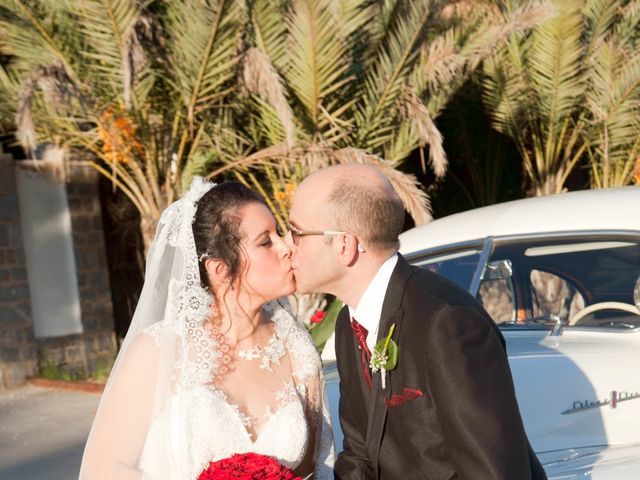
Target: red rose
[
  {"x": 247, "y": 466},
  {"x": 318, "y": 316}
]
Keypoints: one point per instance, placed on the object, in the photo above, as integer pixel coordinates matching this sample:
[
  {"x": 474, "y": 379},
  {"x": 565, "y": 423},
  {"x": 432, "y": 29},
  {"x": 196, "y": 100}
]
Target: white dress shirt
[{"x": 369, "y": 308}]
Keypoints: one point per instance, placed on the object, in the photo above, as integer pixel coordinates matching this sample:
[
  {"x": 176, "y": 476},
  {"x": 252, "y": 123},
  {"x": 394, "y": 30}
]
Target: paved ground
[{"x": 43, "y": 431}]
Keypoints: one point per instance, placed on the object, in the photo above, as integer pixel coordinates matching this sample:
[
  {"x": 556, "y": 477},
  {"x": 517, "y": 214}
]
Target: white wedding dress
[
  {"x": 179, "y": 397},
  {"x": 216, "y": 427}
]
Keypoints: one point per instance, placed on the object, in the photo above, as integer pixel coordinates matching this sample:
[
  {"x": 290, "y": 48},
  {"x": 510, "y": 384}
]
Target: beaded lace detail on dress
[
  {"x": 218, "y": 426},
  {"x": 272, "y": 353}
]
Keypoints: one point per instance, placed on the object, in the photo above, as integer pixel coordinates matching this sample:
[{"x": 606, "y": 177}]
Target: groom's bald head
[{"x": 360, "y": 200}]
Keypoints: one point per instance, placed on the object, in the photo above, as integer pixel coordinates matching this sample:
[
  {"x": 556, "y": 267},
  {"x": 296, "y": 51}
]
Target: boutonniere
[{"x": 384, "y": 356}]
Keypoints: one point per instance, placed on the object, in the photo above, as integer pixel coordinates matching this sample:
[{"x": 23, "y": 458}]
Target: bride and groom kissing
[{"x": 215, "y": 364}]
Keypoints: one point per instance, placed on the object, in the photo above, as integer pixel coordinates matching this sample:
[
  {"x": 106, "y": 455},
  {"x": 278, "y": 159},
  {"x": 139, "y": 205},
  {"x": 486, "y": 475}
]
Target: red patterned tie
[{"x": 361, "y": 335}]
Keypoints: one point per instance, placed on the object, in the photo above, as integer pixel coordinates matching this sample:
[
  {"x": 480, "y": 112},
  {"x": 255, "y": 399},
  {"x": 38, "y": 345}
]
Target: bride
[{"x": 212, "y": 364}]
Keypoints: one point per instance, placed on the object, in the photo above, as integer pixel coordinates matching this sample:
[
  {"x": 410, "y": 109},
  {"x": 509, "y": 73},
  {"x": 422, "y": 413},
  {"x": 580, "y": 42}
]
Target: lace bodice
[
  {"x": 216, "y": 426},
  {"x": 217, "y": 429}
]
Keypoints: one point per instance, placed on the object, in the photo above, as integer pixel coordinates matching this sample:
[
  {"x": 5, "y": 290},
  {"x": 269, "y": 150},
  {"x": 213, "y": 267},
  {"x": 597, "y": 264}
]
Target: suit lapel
[{"x": 391, "y": 313}]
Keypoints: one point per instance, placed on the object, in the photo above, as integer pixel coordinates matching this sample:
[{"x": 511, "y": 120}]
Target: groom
[{"x": 448, "y": 408}]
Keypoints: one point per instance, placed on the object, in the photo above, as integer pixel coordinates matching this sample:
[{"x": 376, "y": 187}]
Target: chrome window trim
[
  {"x": 578, "y": 328},
  {"x": 487, "y": 248}
]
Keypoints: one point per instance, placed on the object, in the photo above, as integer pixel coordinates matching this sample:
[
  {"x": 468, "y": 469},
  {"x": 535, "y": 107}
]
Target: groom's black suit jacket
[{"x": 466, "y": 424}]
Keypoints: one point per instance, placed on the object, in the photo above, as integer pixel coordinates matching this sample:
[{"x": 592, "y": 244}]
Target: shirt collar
[{"x": 369, "y": 308}]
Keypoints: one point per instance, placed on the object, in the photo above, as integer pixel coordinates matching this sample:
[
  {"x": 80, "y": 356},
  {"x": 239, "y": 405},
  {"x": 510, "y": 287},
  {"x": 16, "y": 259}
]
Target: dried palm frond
[
  {"x": 461, "y": 8},
  {"x": 261, "y": 79},
  {"x": 26, "y": 130},
  {"x": 134, "y": 57},
  {"x": 419, "y": 117},
  {"x": 441, "y": 59},
  {"x": 51, "y": 164},
  {"x": 415, "y": 200},
  {"x": 315, "y": 157}
]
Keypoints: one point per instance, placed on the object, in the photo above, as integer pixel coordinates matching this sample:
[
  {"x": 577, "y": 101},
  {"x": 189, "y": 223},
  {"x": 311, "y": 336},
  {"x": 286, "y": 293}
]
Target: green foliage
[
  {"x": 151, "y": 93},
  {"x": 134, "y": 88},
  {"x": 568, "y": 91},
  {"x": 57, "y": 372},
  {"x": 101, "y": 371},
  {"x": 51, "y": 371},
  {"x": 321, "y": 332}
]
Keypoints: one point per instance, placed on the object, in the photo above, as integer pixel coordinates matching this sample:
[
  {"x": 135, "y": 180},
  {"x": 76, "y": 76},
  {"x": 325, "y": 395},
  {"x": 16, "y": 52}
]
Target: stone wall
[
  {"x": 71, "y": 356},
  {"x": 18, "y": 348},
  {"x": 78, "y": 356}
]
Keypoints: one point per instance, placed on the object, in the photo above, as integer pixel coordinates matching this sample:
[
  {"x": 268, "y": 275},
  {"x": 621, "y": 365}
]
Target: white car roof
[{"x": 605, "y": 209}]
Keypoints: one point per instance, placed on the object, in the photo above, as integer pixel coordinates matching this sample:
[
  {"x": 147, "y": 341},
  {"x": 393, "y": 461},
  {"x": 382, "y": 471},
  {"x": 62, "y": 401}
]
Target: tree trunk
[{"x": 148, "y": 225}]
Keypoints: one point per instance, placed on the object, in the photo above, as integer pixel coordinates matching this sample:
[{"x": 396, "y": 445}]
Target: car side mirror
[{"x": 498, "y": 270}]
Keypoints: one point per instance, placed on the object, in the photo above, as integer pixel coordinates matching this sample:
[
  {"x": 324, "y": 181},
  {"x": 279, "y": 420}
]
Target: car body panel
[{"x": 567, "y": 212}]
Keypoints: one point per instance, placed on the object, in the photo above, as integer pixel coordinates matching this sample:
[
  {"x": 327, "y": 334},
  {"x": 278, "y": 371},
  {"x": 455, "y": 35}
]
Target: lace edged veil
[{"x": 166, "y": 351}]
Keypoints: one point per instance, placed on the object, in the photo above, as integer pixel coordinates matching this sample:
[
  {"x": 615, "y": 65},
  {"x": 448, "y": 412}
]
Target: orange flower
[
  {"x": 284, "y": 197},
  {"x": 118, "y": 135}
]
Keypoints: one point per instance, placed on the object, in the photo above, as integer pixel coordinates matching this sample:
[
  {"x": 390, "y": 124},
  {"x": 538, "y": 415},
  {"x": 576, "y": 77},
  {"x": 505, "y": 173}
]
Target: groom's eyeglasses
[{"x": 296, "y": 233}]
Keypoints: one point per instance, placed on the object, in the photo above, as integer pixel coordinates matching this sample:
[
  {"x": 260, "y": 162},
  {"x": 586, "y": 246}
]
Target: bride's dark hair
[{"x": 216, "y": 226}]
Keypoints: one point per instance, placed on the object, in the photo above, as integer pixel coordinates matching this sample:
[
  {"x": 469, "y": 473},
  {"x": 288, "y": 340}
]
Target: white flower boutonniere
[{"x": 384, "y": 356}]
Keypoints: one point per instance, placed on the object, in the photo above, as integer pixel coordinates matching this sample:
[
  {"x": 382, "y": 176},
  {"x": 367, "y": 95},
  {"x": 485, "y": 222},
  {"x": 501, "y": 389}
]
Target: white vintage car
[{"x": 558, "y": 274}]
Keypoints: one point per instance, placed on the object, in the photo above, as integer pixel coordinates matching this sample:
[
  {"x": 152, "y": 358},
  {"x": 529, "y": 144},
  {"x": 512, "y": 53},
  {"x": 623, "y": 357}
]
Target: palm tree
[
  {"x": 150, "y": 93},
  {"x": 352, "y": 81},
  {"x": 117, "y": 88},
  {"x": 568, "y": 91},
  {"x": 613, "y": 95}
]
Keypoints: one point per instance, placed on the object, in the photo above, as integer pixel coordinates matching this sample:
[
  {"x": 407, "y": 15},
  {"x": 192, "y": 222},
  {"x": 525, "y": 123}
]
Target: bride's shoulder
[
  {"x": 295, "y": 336},
  {"x": 285, "y": 321},
  {"x": 159, "y": 332}
]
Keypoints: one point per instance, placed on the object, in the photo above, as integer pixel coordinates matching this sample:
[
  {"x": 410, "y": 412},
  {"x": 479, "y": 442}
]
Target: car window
[
  {"x": 458, "y": 267},
  {"x": 564, "y": 277},
  {"x": 553, "y": 295},
  {"x": 496, "y": 296}
]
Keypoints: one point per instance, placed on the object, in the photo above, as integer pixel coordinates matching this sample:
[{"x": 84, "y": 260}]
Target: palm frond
[
  {"x": 403, "y": 142},
  {"x": 556, "y": 57},
  {"x": 508, "y": 97},
  {"x": 261, "y": 79},
  {"x": 600, "y": 16},
  {"x": 203, "y": 43},
  {"x": 109, "y": 29},
  {"x": 613, "y": 99},
  {"x": 627, "y": 27},
  {"x": 387, "y": 75},
  {"x": 31, "y": 37},
  {"x": 415, "y": 200},
  {"x": 421, "y": 121},
  {"x": 269, "y": 126},
  {"x": 270, "y": 30},
  {"x": 317, "y": 58}
]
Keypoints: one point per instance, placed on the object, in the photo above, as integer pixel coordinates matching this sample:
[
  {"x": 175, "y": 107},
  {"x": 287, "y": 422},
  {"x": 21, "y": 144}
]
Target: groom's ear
[{"x": 346, "y": 246}]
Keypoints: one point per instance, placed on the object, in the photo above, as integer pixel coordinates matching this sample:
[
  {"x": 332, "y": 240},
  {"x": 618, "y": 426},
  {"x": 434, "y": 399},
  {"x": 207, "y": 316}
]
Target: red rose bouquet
[{"x": 247, "y": 466}]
